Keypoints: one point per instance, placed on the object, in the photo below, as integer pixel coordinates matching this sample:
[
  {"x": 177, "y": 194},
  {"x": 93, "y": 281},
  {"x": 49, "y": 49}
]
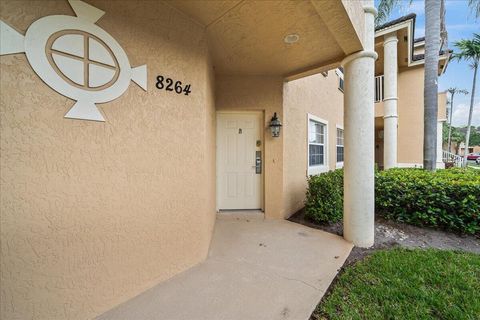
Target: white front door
[{"x": 239, "y": 161}]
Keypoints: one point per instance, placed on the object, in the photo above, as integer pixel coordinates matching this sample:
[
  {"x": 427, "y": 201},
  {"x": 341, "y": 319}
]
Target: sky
[{"x": 460, "y": 24}]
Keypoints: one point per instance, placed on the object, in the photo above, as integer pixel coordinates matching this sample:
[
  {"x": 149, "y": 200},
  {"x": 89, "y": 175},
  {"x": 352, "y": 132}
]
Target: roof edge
[{"x": 396, "y": 21}]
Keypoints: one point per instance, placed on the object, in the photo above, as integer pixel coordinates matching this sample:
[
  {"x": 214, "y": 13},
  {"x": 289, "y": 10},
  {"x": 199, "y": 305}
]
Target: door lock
[{"x": 258, "y": 162}]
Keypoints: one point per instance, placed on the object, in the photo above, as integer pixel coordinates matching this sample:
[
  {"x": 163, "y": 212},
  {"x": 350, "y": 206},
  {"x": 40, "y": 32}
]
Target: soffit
[{"x": 246, "y": 37}]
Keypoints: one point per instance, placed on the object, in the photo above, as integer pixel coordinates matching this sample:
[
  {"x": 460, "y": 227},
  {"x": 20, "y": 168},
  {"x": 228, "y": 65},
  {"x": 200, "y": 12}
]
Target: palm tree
[
  {"x": 475, "y": 6},
  {"x": 385, "y": 8},
  {"x": 430, "y": 91},
  {"x": 469, "y": 51},
  {"x": 434, "y": 17},
  {"x": 452, "y": 92}
]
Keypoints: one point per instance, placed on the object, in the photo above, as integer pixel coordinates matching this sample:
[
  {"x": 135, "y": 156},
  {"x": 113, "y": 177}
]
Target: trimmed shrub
[
  {"x": 447, "y": 199},
  {"x": 324, "y": 201}
]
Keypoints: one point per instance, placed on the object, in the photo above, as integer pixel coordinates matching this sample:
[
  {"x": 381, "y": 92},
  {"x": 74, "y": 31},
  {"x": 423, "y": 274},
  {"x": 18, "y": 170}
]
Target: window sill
[
  {"x": 339, "y": 165},
  {"x": 312, "y": 171}
]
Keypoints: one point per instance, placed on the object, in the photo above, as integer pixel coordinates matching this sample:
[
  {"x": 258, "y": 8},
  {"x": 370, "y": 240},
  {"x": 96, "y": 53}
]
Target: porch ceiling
[{"x": 247, "y": 37}]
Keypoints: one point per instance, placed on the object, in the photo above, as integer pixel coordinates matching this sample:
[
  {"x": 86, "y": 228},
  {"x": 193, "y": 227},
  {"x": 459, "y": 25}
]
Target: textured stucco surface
[
  {"x": 251, "y": 93},
  {"x": 355, "y": 11},
  {"x": 319, "y": 96},
  {"x": 246, "y": 37},
  {"x": 94, "y": 213}
]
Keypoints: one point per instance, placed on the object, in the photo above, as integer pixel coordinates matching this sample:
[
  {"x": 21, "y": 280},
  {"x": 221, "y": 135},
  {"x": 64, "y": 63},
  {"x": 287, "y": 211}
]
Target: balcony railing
[{"x": 378, "y": 88}]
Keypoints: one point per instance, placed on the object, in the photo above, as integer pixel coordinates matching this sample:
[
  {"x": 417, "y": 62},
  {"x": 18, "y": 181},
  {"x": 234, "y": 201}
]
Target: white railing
[
  {"x": 450, "y": 157},
  {"x": 379, "y": 88}
]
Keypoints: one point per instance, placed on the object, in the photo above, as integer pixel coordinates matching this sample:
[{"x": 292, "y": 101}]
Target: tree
[
  {"x": 470, "y": 52},
  {"x": 430, "y": 91},
  {"x": 452, "y": 92},
  {"x": 385, "y": 8},
  {"x": 457, "y": 136},
  {"x": 474, "y": 137},
  {"x": 475, "y": 6}
]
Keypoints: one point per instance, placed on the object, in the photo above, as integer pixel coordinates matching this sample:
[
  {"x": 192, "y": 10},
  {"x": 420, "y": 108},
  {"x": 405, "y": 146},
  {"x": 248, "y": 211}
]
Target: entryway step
[{"x": 241, "y": 215}]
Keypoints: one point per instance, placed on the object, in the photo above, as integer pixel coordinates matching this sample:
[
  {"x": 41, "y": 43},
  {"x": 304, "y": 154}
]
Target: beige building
[
  {"x": 184, "y": 98},
  {"x": 399, "y": 76},
  {"x": 471, "y": 149}
]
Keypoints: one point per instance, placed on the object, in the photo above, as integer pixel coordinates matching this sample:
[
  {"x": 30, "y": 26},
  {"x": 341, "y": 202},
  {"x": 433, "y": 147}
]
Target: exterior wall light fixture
[{"x": 275, "y": 126}]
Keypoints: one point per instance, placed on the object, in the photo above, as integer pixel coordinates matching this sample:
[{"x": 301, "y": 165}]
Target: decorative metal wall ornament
[{"x": 76, "y": 58}]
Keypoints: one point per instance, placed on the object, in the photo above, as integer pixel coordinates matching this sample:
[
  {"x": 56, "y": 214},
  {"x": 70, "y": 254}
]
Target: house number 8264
[{"x": 169, "y": 85}]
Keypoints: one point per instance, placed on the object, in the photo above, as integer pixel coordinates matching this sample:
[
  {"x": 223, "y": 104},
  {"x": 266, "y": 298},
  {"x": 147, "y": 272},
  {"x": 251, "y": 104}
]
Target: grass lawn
[{"x": 406, "y": 284}]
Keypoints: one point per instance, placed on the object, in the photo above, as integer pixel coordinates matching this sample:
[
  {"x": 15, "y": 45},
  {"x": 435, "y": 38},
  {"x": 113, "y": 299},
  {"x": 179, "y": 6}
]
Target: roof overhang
[
  {"x": 407, "y": 26},
  {"x": 247, "y": 37}
]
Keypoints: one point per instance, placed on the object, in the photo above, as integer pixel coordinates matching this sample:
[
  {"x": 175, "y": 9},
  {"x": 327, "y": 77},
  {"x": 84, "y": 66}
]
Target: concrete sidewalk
[{"x": 256, "y": 269}]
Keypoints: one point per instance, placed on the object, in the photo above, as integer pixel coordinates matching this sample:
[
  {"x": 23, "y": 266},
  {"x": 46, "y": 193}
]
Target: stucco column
[
  {"x": 359, "y": 115},
  {"x": 440, "y": 164},
  {"x": 390, "y": 117}
]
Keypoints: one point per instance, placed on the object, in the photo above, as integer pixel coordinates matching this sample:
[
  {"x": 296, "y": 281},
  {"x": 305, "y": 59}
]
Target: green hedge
[
  {"x": 324, "y": 201},
  {"x": 448, "y": 199}
]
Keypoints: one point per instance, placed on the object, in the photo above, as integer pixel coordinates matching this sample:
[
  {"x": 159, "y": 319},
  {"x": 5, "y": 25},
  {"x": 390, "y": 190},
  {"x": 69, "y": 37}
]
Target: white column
[
  {"x": 440, "y": 164},
  {"x": 390, "y": 117},
  {"x": 359, "y": 115}
]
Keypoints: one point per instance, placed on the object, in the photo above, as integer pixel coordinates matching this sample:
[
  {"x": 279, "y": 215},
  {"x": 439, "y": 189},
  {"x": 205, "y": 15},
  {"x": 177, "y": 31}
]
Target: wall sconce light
[{"x": 275, "y": 126}]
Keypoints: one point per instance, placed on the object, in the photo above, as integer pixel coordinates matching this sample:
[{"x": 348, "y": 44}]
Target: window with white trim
[
  {"x": 340, "y": 147},
  {"x": 339, "y": 72},
  {"x": 317, "y": 145}
]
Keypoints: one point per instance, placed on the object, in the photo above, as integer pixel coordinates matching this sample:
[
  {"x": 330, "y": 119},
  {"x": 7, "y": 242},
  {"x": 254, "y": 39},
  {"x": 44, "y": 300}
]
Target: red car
[{"x": 473, "y": 156}]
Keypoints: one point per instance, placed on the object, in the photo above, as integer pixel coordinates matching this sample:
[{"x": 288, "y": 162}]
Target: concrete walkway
[{"x": 256, "y": 269}]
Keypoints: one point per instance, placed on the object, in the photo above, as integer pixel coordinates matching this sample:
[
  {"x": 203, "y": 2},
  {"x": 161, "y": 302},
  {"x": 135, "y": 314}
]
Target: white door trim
[{"x": 261, "y": 118}]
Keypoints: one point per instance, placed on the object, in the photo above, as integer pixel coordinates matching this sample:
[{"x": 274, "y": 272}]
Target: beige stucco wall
[
  {"x": 442, "y": 106},
  {"x": 256, "y": 93},
  {"x": 319, "y": 96},
  {"x": 94, "y": 213},
  {"x": 410, "y": 116}
]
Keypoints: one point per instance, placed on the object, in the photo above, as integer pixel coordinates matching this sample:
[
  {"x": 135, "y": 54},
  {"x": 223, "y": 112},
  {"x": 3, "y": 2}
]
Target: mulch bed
[{"x": 389, "y": 234}]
